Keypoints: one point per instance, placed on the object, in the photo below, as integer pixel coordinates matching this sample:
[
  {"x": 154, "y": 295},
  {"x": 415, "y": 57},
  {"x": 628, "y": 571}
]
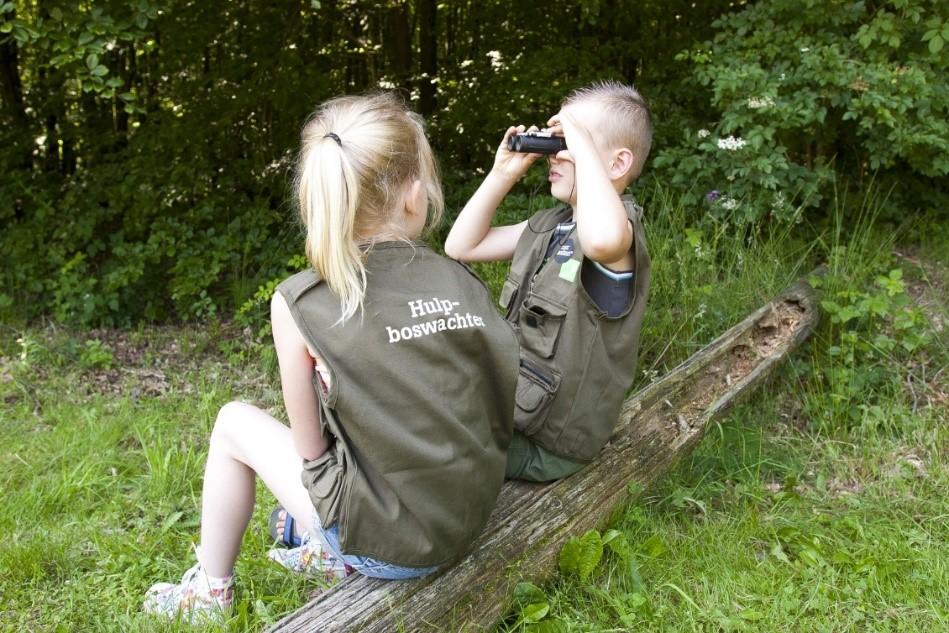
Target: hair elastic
[{"x": 334, "y": 137}]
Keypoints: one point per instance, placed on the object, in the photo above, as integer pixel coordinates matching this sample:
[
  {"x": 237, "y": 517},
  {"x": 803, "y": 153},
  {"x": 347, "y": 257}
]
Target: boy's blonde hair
[
  {"x": 358, "y": 154},
  {"x": 625, "y": 122}
]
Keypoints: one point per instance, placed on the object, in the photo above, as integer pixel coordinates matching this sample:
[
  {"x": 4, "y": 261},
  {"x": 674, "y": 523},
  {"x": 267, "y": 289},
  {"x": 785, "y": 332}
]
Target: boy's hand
[
  {"x": 513, "y": 165},
  {"x": 578, "y": 137}
]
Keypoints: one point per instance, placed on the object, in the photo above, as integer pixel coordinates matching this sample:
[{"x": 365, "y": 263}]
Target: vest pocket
[
  {"x": 324, "y": 479},
  {"x": 536, "y": 387},
  {"x": 507, "y": 295},
  {"x": 539, "y": 323}
]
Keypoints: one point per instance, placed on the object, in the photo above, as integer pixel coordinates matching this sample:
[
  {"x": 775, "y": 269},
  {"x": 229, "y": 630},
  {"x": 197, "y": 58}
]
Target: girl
[{"x": 398, "y": 377}]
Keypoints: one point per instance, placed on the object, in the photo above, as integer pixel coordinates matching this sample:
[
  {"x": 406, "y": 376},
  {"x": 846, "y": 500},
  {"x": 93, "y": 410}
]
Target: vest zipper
[
  {"x": 543, "y": 262},
  {"x": 539, "y": 377}
]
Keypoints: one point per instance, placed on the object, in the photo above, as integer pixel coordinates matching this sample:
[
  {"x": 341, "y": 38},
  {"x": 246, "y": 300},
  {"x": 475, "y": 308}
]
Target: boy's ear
[{"x": 622, "y": 164}]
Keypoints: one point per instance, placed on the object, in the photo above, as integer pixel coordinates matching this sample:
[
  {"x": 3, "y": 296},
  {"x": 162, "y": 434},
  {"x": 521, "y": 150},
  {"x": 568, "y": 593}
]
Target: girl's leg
[{"x": 246, "y": 440}]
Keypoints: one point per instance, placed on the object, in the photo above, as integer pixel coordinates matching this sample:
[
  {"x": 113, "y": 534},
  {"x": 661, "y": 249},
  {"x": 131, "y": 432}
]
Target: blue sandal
[{"x": 289, "y": 537}]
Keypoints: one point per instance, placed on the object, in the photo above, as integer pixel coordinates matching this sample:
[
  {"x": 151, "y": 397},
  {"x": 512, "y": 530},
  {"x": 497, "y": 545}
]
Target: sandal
[
  {"x": 311, "y": 559},
  {"x": 289, "y": 537},
  {"x": 197, "y": 598}
]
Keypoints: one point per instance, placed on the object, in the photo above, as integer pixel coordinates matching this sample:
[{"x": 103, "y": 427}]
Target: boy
[{"x": 579, "y": 277}]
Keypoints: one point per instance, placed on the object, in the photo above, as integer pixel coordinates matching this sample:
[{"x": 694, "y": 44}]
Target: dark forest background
[{"x": 147, "y": 144}]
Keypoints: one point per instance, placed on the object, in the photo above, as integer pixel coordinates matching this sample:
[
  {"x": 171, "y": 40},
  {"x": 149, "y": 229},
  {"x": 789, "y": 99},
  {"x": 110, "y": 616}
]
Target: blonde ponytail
[
  {"x": 358, "y": 155},
  {"x": 328, "y": 206}
]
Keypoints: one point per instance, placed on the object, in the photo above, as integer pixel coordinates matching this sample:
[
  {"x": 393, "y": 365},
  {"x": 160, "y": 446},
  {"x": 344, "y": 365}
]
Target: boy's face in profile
[{"x": 562, "y": 172}]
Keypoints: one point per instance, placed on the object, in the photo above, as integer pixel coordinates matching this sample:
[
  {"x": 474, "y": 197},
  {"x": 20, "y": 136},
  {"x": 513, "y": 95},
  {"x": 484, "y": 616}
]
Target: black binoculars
[{"x": 536, "y": 143}]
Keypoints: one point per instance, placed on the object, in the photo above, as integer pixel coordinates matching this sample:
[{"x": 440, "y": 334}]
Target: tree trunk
[
  {"x": 532, "y": 521},
  {"x": 11, "y": 94},
  {"x": 428, "y": 55},
  {"x": 11, "y": 86},
  {"x": 397, "y": 40}
]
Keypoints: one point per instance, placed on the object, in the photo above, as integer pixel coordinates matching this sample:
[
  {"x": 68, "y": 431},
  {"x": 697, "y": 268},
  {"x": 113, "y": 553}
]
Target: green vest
[
  {"x": 576, "y": 363},
  {"x": 419, "y": 405}
]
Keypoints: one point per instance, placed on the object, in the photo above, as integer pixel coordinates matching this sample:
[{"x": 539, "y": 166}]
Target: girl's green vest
[
  {"x": 419, "y": 405},
  {"x": 576, "y": 363}
]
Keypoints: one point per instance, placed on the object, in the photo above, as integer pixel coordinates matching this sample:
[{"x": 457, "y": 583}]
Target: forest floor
[{"x": 818, "y": 505}]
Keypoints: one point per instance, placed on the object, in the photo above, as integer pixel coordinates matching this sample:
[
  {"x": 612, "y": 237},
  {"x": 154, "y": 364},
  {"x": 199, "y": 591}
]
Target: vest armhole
[
  {"x": 295, "y": 286},
  {"x": 468, "y": 269}
]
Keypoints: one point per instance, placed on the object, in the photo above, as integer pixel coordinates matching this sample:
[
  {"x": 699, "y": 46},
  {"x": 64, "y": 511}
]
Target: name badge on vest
[{"x": 568, "y": 270}]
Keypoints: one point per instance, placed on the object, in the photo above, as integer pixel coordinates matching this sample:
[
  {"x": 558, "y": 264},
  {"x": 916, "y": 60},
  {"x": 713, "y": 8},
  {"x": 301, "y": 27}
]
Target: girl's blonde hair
[{"x": 358, "y": 155}]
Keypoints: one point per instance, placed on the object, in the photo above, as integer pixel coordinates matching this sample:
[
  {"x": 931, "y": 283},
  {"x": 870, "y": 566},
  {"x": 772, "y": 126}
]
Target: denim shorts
[{"x": 363, "y": 564}]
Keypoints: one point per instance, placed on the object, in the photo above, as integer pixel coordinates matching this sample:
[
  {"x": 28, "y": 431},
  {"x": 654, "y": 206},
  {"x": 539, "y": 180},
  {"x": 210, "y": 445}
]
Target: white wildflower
[
  {"x": 756, "y": 103},
  {"x": 703, "y": 133},
  {"x": 496, "y": 62},
  {"x": 385, "y": 84},
  {"x": 728, "y": 203},
  {"x": 731, "y": 143},
  {"x": 805, "y": 49},
  {"x": 465, "y": 63}
]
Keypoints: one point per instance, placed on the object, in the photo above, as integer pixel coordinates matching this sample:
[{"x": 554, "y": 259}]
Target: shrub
[{"x": 799, "y": 88}]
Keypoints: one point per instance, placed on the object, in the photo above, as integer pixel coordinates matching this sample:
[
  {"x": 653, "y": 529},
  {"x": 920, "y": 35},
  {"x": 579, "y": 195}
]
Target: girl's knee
[{"x": 230, "y": 419}]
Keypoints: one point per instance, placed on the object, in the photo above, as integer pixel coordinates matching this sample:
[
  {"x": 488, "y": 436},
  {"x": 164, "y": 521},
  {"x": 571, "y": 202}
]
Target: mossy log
[{"x": 531, "y": 522}]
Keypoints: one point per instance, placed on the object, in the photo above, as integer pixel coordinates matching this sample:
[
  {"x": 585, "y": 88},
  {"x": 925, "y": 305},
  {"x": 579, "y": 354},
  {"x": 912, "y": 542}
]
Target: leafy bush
[
  {"x": 799, "y": 88},
  {"x": 871, "y": 332}
]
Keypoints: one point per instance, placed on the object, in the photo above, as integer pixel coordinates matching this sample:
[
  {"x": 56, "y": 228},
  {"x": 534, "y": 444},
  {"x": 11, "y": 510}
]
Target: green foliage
[
  {"x": 800, "y": 89},
  {"x": 530, "y": 603},
  {"x": 148, "y": 144},
  {"x": 871, "y": 330},
  {"x": 256, "y": 309},
  {"x": 580, "y": 555},
  {"x": 95, "y": 355}
]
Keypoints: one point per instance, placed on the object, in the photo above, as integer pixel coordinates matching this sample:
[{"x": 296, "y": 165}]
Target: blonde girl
[{"x": 397, "y": 375}]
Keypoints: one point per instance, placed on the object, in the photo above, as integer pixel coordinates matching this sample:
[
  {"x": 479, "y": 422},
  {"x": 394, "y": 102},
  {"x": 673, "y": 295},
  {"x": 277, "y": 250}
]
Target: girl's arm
[{"x": 296, "y": 380}]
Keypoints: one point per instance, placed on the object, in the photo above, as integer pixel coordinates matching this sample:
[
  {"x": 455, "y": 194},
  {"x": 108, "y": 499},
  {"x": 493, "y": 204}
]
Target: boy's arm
[
  {"x": 296, "y": 376},
  {"x": 603, "y": 227},
  {"x": 472, "y": 238}
]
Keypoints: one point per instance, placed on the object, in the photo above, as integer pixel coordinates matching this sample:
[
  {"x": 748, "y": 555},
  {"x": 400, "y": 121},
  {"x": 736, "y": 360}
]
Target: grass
[{"x": 818, "y": 505}]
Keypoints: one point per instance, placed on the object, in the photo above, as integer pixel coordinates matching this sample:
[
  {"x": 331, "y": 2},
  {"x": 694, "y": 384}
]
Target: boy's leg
[
  {"x": 530, "y": 462},
  {"x": 246, "y": 440}
]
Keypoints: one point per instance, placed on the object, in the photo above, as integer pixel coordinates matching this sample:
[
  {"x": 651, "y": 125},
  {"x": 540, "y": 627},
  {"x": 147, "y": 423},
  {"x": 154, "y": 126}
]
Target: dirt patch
[
  {"x": 843, "y": 487},
  {"x": 145, "y": 363},
  {"x": 928, "y": 290}
]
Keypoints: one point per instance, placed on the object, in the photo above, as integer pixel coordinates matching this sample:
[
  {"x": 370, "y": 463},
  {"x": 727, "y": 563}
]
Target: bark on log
[{"x": 532, "y": 521}]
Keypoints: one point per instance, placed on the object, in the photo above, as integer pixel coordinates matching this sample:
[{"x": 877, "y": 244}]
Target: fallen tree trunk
[{"x": 523, "y": 538}]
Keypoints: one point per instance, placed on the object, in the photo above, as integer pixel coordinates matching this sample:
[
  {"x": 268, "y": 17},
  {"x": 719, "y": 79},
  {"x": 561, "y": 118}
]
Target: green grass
[
  {"x": 102, "y": 490},
  {"x": 818, "y": 505}
]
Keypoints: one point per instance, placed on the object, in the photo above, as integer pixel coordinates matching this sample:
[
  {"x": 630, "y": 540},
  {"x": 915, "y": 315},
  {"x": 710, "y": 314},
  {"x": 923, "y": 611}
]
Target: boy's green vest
[
  {"x": 420, "y": 401},
  {"x": 576, "y": 363}
]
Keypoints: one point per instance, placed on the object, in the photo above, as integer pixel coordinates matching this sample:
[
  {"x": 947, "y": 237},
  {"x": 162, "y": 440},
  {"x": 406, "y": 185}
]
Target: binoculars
[{"x": 536, "y": 143}]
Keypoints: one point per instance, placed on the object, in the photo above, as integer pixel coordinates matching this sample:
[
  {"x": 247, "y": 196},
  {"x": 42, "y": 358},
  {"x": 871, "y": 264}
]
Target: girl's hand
[{"x": 513, "y": 165}]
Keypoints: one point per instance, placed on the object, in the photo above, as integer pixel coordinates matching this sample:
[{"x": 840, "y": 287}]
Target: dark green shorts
[{"x": 526, "y": 460}]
